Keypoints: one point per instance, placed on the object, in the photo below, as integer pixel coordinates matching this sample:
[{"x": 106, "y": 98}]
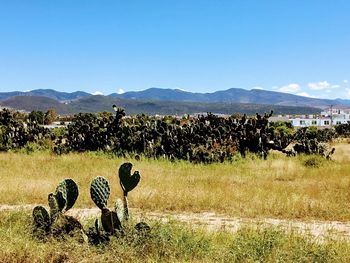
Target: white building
[{"x": 327, "y": 118}]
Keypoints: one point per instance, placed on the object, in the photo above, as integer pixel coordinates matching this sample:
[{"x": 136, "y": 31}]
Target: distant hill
[
  {"x": 343, "y": 102},
  {"x": 233, "y": 95},
  {"x": 50, "y": 93},
  {"x": 151, "y": 107},
  {"x": 163, "y": 94},
  {"x": 30, "y": 103}
]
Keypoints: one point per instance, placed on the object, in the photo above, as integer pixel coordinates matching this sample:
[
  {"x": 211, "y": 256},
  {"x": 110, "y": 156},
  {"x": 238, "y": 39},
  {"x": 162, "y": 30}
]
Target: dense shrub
[
  {"x": 15, "y": 134},
  {"x": 343, "y": 129},
  {"x": 207, "y": 138},
  {"x": 310, "y": 140}
]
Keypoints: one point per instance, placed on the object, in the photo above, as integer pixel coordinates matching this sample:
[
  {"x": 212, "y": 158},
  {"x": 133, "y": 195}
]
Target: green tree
[
  {"x": 50, "y": 116},
  {"x": 37, "y": 116}
]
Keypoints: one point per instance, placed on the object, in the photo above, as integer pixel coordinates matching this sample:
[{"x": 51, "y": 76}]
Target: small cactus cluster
[
  {"x": 55, "y": 222},
  {"x": 112, "y": 221}
]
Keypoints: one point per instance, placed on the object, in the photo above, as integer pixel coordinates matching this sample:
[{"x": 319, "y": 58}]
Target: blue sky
[{"x": 299, "y": 46}]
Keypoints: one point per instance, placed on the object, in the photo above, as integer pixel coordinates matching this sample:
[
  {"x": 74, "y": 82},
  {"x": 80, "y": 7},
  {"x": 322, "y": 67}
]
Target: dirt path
[{"x": 214, "y": 222}]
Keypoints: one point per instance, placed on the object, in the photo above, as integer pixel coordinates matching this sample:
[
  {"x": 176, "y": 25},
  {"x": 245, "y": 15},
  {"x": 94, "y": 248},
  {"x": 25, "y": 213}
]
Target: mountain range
[
  {"x": 100, "y": 103},
  {"x": 233, "y": 95},
  {"x": 49, "y": 93},
  {"x": 168, "y": 101}
]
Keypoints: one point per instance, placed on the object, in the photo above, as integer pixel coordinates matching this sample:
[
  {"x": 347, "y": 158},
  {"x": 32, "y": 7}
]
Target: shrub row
[{"x": 205, "y": 138}]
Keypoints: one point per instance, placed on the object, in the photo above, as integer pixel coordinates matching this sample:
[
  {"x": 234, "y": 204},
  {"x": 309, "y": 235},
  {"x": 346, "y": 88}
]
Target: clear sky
[{"x": 295, "y": 46}]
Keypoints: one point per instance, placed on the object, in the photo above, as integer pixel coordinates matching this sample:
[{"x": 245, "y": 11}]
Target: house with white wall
[{"x": 327, "y": 118}]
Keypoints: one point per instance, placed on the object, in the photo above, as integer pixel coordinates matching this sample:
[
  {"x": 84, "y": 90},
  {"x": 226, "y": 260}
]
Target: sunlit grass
[
  {"x": 168, "y": 242},
  {"x": 278, "y": 187}
]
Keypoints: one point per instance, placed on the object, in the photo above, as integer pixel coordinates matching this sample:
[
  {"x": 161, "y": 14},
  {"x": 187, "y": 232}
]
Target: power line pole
[{"x": 331, "y": 116}]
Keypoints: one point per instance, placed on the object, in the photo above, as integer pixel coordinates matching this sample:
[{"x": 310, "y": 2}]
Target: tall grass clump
[
  {"x": 314, "y": 161},
  {"x": 274, "y": 245}
]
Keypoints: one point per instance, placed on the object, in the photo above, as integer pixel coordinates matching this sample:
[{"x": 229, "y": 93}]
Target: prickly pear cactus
[
  {"x": 54, "y": 207},
  {"x": 68, "y": 191},
  {"x": 119, "y": 209},
  {"x": 100, "y": 191},
  {"x": 56, "y": 223},
  {"x": 128, "y": 181},
  {"x": 61, "y": 201},
  {"x": 41, "y": 217},
  {"x": 110, "y": 221},
  {"x": 95, "y": 236}
]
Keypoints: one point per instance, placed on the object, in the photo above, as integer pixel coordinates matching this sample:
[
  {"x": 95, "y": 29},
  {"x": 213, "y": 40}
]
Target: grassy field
[
  {"x": 303, "y": 188},
  {"x": 168, "y": 243},
  {"x": 278, "y": 187}
]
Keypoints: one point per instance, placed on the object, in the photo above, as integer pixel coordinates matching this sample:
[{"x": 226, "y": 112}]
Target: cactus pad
[
  {"x": 41, "y": 217},
  {"x": 119, "y": 209},
  {"x": 54, "y": 207},
  {"x": 100, "y": 191},
  {"x": 61, "y": 201},
  {"x": 110, "y": 221},
  {"x": 128, "y": 181},
  {"x": 67, "y": 193}
]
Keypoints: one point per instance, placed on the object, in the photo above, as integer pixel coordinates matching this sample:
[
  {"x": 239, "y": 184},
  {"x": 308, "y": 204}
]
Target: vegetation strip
[
  {"x": 202, "y": 139},
  {"x": 215, "y": 222},
  {"x": 169, "y": 242}
]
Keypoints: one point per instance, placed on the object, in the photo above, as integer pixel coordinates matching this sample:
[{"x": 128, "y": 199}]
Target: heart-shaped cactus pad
[{"x": 128, "y": 181}]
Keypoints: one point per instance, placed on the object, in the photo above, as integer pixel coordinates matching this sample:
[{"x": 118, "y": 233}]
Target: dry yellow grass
[
  {"x": 169, "y": 242},
  {"x": 278, "y": 187}
]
